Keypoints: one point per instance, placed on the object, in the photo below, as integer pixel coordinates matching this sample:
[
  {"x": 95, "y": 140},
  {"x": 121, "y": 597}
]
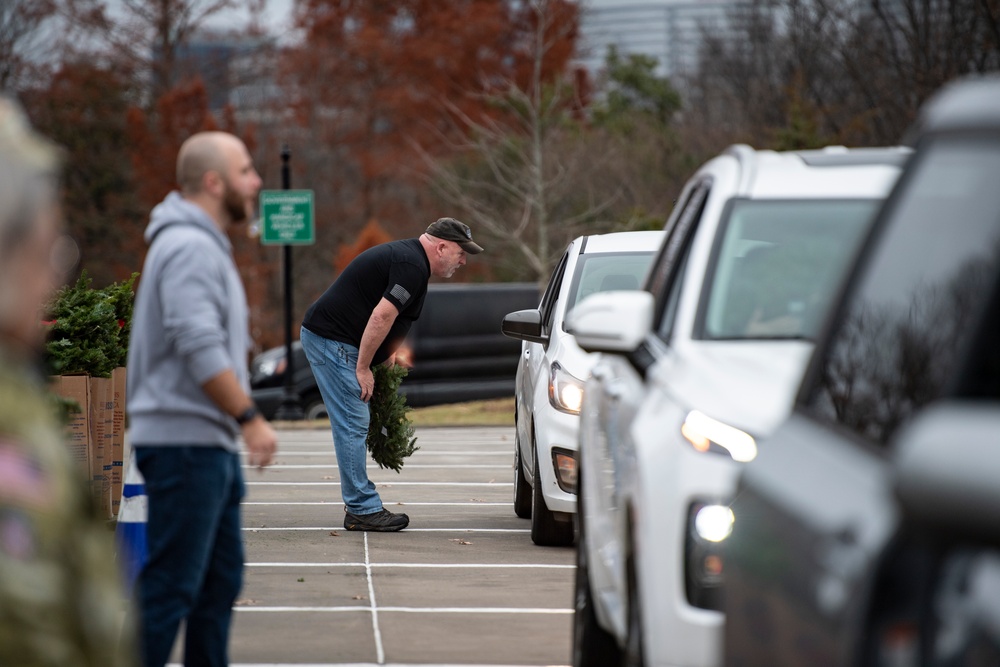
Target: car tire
[
  {"x": 632, "y": 655},
  {"x": 522, "y": 490},
  {"x": 546, "y": 531},
  {"x": 593, "y": 646},
  {"x": 314, "y": 408}
]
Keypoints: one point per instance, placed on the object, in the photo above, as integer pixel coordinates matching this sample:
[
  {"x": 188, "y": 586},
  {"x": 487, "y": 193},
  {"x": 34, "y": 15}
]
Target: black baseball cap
[{"x": 451, "y": 229}]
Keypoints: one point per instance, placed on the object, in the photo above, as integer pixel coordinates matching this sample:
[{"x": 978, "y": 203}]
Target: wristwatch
[{"x": 247, "y": 415}]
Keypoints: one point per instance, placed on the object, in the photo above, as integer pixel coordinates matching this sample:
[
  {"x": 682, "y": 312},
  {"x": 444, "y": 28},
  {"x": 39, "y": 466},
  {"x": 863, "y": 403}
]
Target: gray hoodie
[{"x": 190, "y": 324}]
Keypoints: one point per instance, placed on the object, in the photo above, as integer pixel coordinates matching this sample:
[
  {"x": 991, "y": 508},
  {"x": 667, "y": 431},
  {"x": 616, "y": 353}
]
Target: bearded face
[{"x": 238, "y": 207}]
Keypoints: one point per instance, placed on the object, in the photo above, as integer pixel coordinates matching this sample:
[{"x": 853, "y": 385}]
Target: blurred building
[
  {"x": 670, "y": 30},
  {"x": 220, "y": 58}
]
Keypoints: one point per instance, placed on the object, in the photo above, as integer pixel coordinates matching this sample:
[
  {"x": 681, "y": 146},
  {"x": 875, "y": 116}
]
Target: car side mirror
[
  {"x": 616, "y": 321},
  {"x": 945, "y": 471},
  {"x": 524, "y": 325}
]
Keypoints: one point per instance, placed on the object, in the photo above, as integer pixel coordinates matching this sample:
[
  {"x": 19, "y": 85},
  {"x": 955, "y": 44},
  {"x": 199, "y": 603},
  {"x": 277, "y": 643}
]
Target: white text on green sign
[{"x": 287, "y": 217}]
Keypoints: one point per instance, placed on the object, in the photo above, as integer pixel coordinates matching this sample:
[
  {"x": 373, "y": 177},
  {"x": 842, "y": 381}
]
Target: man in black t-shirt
[{"x": 359, "y": 322}]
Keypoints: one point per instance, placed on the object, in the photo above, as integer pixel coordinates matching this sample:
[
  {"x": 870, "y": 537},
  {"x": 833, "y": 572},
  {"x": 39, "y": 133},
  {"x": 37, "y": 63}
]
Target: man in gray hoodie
[{"x": 188, "y": 400}]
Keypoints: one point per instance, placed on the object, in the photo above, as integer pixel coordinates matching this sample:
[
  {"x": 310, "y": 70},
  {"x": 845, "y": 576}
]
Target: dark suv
[
  {"x": 458, "y": 352},
  {"x": 867, "y": 531}
]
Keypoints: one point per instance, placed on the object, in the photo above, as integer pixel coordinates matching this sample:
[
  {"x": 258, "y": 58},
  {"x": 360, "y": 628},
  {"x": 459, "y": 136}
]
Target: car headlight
[
  {"x": 565, "y": 390},
  {"x": 714, "y": 523},
  {"x": 710, "y": 435}
]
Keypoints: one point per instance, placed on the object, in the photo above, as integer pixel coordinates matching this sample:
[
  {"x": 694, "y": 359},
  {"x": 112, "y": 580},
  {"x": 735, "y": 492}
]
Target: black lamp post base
[{"x": 289, "y": 410}]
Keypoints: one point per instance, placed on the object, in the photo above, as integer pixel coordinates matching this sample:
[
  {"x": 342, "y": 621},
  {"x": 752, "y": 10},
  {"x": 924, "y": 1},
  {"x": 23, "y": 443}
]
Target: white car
[
  {"x": 698, "y": 367},
  {"x": 551, "y": 373}
]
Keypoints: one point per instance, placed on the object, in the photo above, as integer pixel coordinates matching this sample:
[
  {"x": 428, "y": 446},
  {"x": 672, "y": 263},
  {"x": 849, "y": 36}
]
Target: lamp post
[{"x": 290, "y": 408}]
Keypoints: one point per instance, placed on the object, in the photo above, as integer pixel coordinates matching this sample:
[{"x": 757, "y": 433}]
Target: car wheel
[
  {"x": 546, "y": 531},
  {"x": 315, "y": 408},
  {"x": 633, "y": 638},
  {"x": 522, "y": 490},
  {"x": 593, "y": 646}
]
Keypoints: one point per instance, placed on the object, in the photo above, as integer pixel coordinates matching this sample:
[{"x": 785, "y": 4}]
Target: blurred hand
[{"x": 261, "y": 442}]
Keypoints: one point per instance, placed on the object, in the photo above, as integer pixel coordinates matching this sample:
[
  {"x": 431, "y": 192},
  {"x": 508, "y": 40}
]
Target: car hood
[{"x": 748, "y": 384}]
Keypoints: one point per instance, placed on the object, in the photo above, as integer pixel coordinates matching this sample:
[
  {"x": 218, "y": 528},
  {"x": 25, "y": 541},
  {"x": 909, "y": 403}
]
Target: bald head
[
  {"x": 202, "y": 153},
  {"x": 215, "y": 171}
]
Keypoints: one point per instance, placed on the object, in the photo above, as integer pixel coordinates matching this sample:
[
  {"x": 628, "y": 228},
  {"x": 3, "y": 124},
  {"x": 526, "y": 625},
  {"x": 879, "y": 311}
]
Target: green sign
[{"x": 287, "y": 217}]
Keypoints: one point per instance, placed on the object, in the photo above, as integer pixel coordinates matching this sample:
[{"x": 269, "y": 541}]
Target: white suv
[
  {"x": 551, "y": 373},
  {"x": 700, "y": 366}
]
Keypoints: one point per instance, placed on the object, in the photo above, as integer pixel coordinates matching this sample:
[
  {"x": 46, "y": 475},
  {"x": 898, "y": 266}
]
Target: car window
[
  {"x": 552, "y": 293},
  {"x": 666, "y": 328},
  {"x": 777, "y": 265},
  {"x": 913, "y": 306},
  {"x": 680, "y": 204},
  {"x": 674, "y": 246},
  {"x": 605, "y": 272}
]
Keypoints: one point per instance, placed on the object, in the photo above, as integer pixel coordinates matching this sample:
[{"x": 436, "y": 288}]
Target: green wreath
[{"x": 390, "y": 432}]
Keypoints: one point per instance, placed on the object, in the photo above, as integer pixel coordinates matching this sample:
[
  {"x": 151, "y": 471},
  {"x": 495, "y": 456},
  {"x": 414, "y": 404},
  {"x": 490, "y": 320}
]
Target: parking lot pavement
[{"x": 463, "y": 585}]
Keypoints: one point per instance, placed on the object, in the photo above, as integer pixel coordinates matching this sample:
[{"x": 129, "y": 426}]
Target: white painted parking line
[
  {"x": 408, "y": 530},
  {"x": 462, "y": 452},
  {"x": 379, "y": 651},
  {"x": 422, "y": 453},
  {"x": 415, "y": 610},
  {"x": 430, "y": 566},
  {"x": 451, "y": 454},
  {"x": 383, "y": 485},
  {"x": 360, "y": 664},
  {"x": 431, "y": 466},
  {"x": 475, "y": 610},
  {"x": 335, "y": 504},
  {"x": 345, "y": 564}
]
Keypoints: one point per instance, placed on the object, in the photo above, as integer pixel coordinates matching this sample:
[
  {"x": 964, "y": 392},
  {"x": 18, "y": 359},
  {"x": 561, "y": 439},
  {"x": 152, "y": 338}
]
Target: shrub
[{"x": 89, "y": 328}]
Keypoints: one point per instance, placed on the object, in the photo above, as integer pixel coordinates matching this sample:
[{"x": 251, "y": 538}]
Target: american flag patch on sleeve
[{"x": 400, "y": 293}]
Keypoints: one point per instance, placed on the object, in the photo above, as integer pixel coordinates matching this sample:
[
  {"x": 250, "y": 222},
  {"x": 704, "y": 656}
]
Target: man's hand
[
  {"x": 367, "y": 382},
  {"x": 261, "y": 442},
  {"x": 378, "y": 326}
]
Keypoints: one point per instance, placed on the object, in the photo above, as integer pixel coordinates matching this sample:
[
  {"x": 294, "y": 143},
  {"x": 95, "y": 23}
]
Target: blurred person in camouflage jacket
[{"x": 60, "y": 599}]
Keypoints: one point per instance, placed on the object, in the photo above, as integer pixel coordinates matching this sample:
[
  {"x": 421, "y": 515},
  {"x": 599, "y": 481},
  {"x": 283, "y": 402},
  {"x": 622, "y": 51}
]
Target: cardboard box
[
  {"x": 78, "y": 439},
  {"x": 96, "y": 435},
  {"x": 118, "y": 440},
  {"x": 102, "y": 430}
]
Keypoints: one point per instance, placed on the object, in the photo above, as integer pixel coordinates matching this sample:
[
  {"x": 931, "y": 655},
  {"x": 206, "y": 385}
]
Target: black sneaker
[{"x": 382, "y": 521}]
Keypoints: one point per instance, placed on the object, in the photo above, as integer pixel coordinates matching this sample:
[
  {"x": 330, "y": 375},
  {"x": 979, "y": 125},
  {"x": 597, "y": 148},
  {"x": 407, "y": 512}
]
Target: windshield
[
  {"x": 779, "y": 264},
  {"x": 917, "y": 300},
  {"x": 605, "y": 272}
]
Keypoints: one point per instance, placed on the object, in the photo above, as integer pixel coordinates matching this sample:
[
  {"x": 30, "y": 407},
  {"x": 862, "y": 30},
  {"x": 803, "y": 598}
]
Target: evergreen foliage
[
  {"x": 122, "y": 298},
  {"x": 90, "y": 328},
  {"x": 635, "y": 92},
  {"x": 390, "y": 433}
]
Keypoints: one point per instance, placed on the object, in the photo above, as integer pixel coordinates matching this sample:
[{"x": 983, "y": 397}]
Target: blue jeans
[
  {"x": 334, "y": 365},
  {"x": 195, "y": 566}
]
